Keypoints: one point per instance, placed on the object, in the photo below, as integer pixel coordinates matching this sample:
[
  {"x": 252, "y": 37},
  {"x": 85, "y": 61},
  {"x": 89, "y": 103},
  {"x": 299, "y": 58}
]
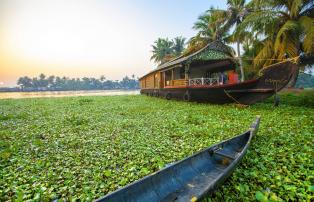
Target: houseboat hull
[{"x": 272, "y": 80}]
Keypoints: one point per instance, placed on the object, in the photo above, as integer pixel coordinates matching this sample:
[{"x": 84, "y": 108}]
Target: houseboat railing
[
  {"x": 203, "y": 81},
  {"x": 180, "y": 82},
  {"x": 177, "y": 82},
  {"x": 193, "y": 82}
]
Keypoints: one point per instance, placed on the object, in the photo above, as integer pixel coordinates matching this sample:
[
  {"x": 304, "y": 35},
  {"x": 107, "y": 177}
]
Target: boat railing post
[{"x": 202, "y": 81}]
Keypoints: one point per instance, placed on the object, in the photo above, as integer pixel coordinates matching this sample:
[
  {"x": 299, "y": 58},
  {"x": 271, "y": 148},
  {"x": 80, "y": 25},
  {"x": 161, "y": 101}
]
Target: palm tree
[
  {"x": 178, "y": 45},
  {"x": 204, "y": 35},
  {"x": 51, "y": 81},
  {"x": 42, "y": 82},
  {"x": 210, "y": 28},
  {"x": 234, "y": 15},
  {"x": 285, "y": 26},
  {"x": 251, "y": 46},
  {"x": 25, "y": 82},
  {"x": 162, "y": 50},
  {"x": 102, "y": 78}
]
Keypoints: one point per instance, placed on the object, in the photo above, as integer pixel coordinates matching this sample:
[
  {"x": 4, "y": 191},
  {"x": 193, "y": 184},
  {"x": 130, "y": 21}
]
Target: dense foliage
[
  {"x": 285, "y": 29},
  {"x": 305, "y": 81},
  {"x": 64, "y": 83},
  {"x": 85, "y": 147},
  {"x": 269, "y": 31}
]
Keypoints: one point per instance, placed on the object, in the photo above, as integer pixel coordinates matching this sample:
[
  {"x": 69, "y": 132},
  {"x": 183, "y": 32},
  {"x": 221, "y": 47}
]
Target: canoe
[{"x": 192, "y": 178}]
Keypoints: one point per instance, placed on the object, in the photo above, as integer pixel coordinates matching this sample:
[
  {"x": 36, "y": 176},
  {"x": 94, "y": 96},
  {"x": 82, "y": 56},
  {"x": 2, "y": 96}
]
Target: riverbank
[{"x": 84, "y": 147}]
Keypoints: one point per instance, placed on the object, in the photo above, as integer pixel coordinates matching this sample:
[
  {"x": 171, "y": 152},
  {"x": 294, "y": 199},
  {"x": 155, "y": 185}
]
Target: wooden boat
[
  {"x": 191, "y": 178},
  {"x": 201, "y": 77}
]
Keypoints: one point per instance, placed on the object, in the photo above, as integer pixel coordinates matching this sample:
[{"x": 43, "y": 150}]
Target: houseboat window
[
  {"x": 168, "y": 77},
  {"x": 182, "y": 73},
  {"x": 176, "y": 73}
]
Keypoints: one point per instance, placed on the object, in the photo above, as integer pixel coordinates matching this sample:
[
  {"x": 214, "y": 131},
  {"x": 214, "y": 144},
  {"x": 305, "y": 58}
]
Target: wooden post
[
  {"x": 172, "y": 76},
  {"x": 154, "y": 80},
  {"x": 186, "y": 73},
  {"x": 164, "y": 79}
]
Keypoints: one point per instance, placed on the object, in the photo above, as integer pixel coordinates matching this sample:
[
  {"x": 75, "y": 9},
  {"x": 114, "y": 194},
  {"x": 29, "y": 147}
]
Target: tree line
[
  {"x": 43, "y": 82},
  {"x": 268, "y": 31}
]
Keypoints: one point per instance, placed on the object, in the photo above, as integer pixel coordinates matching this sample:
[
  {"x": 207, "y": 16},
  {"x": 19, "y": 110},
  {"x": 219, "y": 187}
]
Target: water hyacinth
[{"x": 85, "y": 147}]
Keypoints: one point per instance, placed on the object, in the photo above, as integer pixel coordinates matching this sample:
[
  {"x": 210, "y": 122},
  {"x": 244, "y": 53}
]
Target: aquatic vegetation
[{"x": 82, "y": 148}]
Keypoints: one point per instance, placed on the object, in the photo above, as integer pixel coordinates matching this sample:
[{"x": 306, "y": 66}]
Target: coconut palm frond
[
  {"x": 308, "y": 43},
  {"x": 283, "y": 35},
  {"x": 290, "y": 49},
  {"x": 266, "y": 52},
  {"x": 196, "y": 43},
  {"x": 178, "y": 45},
  {"x": 296, "y": 6},
  {"x": 307, "y": 23},
  {"x": 260, "y": 21},
  {"x": 161, "y": 48}
]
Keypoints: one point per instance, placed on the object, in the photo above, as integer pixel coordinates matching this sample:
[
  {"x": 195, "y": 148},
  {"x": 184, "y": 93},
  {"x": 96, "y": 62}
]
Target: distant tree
[
  {"x": 42, "y": 76},
  {"x": 51, "y": 81},
  {"x": 86, "y": 83},
  {"x": 42, "y": 82},
  {"x": 35, "y": 83},
  {"x": 25, "y": 82},
  {"x": 305, "y": 81},
  {"x": 21, "y": 82},
  {"x": 58, "y": 83},
  {"x": 102, "y": 78},
  {"x": 65, "y": 83}
]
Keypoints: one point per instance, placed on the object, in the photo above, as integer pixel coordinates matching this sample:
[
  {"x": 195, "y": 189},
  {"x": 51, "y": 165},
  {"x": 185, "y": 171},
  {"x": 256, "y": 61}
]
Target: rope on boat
[
  {"x": 294, "y": 59},
  {"x": 232, "y": 97}
]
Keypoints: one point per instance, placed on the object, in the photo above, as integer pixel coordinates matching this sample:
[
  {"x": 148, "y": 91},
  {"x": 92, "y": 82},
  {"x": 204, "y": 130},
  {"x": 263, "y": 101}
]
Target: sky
[{"x": 89, "y": 38}]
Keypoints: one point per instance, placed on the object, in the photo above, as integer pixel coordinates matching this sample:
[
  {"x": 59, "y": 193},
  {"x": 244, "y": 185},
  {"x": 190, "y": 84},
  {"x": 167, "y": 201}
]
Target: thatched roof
[{"x": 213, "y": 51}]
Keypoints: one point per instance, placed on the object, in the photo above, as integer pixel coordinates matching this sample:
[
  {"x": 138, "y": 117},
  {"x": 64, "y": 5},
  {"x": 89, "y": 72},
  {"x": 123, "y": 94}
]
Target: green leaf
[
  {"x": 19, "y": 196},
  {"x": 123, "y": 182},
  {"x": 260, "y": 196},
  {"x": 37, "y": 197},
  {"x": 107, "y": 173}
]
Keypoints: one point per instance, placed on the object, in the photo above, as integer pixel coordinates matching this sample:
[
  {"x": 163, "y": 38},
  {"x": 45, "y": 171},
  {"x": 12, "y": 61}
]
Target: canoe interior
[{"x": 193, "y": 177}]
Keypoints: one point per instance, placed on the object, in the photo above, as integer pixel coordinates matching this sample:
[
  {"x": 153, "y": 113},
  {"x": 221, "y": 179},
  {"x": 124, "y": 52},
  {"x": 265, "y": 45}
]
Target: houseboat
[{"x": 209, "y": 75}]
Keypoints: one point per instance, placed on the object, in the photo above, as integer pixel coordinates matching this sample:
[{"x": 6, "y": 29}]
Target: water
[{"x": 18, "y": 95}]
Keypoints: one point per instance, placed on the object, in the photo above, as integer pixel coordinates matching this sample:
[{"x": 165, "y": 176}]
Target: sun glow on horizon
[
  {"x": 64, "y": 34},
  {"x": 78, "y": 38},
  {"x": 75, "y": 34}
]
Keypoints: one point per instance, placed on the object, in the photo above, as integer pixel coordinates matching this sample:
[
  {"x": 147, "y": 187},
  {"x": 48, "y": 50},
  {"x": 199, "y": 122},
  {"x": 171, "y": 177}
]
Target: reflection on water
[{"x": 17, "y": 95}]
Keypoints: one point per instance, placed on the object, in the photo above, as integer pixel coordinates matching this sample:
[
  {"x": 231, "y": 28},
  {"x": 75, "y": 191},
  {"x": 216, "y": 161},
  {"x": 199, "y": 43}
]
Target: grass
[{"x": 84, "y": 147}]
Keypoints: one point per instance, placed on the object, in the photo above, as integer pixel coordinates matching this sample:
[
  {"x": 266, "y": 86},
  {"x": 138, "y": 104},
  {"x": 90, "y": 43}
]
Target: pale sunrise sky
[{"x": 78, "y": 38}]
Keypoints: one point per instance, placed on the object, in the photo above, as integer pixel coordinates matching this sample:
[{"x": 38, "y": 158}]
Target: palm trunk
[
  {"x": 240, "y": 60},
  {"x": 295, "y": 75},
  {"x": 293, "y": 79}
]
